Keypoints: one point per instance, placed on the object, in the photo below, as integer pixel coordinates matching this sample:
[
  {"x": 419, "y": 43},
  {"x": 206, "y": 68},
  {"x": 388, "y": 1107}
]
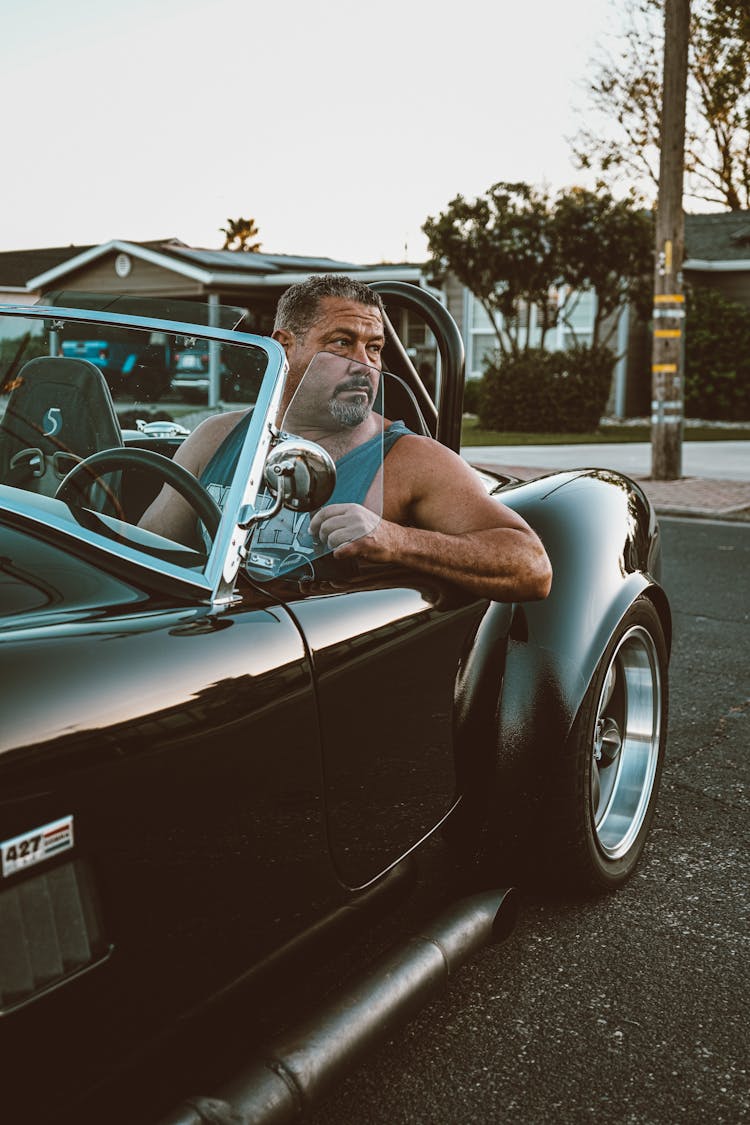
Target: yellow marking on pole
[
  {"x": 668, "y": 256},
  {"x": 664, "y": 368},
  {"x": 667, "y": 333},
  {"x": 669, "y": 298}
]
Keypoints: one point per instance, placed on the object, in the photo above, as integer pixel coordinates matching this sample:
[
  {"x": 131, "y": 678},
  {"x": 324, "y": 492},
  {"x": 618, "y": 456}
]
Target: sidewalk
[{"x": 702, "y": 493}]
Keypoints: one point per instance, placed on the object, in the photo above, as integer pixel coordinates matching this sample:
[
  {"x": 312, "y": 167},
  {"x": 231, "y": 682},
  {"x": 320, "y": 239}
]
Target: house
[
  {"x": 717, "y": 253},
  {"x": 18, "y": 266},
  {"x": 169, "y": 268}
]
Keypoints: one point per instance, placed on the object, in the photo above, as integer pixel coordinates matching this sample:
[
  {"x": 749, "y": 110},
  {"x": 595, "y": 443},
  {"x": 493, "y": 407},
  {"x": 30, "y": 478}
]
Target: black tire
[
  {"x": 535, "y": 824},
  {"x": 604, "y": 784}
]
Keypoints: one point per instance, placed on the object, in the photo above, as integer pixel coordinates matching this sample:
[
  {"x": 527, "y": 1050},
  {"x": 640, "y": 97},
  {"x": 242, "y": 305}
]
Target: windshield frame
[{"x": 216, "y": 582}]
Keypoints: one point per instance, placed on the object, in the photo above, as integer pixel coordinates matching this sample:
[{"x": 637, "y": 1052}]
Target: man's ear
[{"x": 285, "y": 338}]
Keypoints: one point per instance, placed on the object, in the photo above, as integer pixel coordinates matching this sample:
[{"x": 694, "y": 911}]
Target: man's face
[{"x": 340, "y": 387}]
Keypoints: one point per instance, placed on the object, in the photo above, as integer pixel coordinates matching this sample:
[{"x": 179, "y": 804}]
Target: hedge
[
  {"x": 717, "y": 357},
  {"x": 546, "y": 392}
]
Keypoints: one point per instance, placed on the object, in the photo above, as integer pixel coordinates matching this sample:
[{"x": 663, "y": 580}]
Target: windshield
[
  {"x": 74, "y": 386},
  {"x": 158, "y": 308},
  {"x": 148, "y": 440}
]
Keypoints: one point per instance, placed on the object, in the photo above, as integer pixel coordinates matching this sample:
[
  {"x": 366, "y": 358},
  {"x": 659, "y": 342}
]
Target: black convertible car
[{"x": 220, "y": 760}]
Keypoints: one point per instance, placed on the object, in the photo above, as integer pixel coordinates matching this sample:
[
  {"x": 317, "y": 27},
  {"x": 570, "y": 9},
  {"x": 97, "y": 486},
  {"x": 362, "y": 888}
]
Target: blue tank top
[
  {"x": 284, "y": 544},
  {"x": 355, "y": 471},
  {"x": 218, "y": 473}
]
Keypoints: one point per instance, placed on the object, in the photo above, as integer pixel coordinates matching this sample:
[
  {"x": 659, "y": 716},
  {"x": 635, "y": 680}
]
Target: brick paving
[{"x": 688, "y": 496}]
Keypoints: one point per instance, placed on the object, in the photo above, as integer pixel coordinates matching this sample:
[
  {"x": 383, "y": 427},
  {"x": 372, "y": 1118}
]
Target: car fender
[{"x": 520, "y": 692}]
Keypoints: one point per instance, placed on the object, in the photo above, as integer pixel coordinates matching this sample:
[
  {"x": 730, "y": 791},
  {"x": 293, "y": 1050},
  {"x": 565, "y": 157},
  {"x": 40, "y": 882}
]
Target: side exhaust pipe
[{"x": 300, "y": 1067}]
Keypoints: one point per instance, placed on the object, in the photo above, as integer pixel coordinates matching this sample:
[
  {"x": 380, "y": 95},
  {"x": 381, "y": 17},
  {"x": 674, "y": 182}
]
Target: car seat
[{"x": 59, "y": 412}]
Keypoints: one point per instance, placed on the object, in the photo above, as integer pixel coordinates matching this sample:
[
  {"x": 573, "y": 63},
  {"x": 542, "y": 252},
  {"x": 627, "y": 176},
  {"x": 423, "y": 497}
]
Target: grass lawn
[{"x": 472, "y": 435}]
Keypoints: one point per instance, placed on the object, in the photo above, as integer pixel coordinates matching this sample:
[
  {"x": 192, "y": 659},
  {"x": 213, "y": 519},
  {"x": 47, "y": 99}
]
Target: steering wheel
[{"x": 107, "y": 460}]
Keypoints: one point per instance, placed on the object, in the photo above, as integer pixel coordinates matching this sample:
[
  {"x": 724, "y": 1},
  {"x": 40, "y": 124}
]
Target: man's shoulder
[
  {"x": 207, "y": 437},
  {"x": 424, "y": 462},
  {"x": 422, "y": 448},
  {"x": 212, "y": 430},
  {"x": 220, "y": 423}
]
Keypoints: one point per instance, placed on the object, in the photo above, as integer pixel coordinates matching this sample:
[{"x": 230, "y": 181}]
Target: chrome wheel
[{"x": 626, "y": 741}]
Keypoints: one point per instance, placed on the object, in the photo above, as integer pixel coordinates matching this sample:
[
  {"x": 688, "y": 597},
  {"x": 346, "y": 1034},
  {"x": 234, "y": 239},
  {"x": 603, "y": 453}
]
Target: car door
[{"x": 385, "y": 662}]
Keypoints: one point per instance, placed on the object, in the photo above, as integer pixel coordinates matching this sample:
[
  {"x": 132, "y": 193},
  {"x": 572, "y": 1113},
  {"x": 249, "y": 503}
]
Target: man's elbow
[
  {"x": 543, "y": 579},
  {"x": 538, "y": 577}
]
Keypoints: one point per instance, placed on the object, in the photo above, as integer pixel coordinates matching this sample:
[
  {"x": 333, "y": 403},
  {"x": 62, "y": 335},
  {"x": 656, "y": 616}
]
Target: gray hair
[{"x": 298, "y": 306}]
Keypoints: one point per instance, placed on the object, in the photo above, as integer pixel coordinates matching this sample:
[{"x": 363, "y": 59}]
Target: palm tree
[{"x": 238, "y": 234}]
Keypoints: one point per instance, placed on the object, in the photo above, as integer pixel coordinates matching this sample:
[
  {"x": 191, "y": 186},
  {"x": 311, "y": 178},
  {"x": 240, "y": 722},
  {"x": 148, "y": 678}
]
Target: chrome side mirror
[{"x": 301, "y": 475}]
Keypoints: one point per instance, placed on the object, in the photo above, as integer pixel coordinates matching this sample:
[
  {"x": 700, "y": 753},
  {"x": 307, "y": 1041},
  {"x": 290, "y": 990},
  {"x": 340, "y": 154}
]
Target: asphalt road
[{"x": 631, "y": 1009}]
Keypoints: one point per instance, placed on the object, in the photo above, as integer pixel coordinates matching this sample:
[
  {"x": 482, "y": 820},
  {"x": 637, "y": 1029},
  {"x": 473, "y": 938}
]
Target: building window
[
  {"x": 576, "y": 320},
  {"x": 421, "y": 347},
  {"x": 481, "y": 344},
  {"x": 570, "y": 320}
]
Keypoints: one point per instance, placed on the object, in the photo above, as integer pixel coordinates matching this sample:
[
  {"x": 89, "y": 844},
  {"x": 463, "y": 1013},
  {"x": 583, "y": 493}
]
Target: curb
[{"x": 727, "y": 515}]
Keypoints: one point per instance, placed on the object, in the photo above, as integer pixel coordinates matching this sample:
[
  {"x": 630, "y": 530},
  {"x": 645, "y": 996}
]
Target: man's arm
[{"x": 438, "y": 519}]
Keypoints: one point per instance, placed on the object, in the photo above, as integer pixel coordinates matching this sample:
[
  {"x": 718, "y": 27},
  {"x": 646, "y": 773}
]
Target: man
[{"x": 436, "y": 516}]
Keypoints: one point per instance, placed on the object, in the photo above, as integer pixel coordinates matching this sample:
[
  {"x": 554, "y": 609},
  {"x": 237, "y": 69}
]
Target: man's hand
[{"x": 352, "y": 531}]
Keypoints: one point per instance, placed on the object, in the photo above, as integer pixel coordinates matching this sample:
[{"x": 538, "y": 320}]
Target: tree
[
  {"x": 622, "y": 143},
  {"x": 501, "y": 248},
  {"x": 238, "y": 234},
  {"x": 513, "y": 246},
  {"x": 604, "y": 245}
]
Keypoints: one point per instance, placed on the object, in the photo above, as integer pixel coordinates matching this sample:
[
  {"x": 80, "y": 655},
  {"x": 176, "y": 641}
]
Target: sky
[{"x": 337, "y": 128}]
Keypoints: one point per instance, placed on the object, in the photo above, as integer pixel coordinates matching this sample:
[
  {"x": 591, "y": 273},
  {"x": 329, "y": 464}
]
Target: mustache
[{"x": 355, "y": 383}]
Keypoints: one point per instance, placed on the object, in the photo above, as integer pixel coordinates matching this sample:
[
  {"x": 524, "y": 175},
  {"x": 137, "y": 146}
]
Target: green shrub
[
  {"x": 717, "y": 357},
  {"x": 472, "y": 389},
  {"x": 547, "y": 392}
]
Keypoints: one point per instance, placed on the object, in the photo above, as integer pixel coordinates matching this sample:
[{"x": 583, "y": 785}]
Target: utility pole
[{"x": 667, "y": 362}]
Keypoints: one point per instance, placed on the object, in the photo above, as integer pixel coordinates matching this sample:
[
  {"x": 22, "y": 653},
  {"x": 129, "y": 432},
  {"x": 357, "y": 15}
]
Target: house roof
[
  {"x": 718, "y": 239},
  {"x": 17, "y": 267},
  {"x": 256, "y": 263},
  {"x": 210, "y": 268}
]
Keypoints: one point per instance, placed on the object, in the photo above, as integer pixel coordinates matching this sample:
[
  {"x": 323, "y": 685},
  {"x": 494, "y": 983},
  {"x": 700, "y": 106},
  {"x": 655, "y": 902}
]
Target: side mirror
[{"x": 300, "y": 474}]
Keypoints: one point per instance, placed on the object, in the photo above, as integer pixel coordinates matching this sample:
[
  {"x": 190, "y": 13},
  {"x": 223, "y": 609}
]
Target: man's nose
[{"x": 359, "y": 354}]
